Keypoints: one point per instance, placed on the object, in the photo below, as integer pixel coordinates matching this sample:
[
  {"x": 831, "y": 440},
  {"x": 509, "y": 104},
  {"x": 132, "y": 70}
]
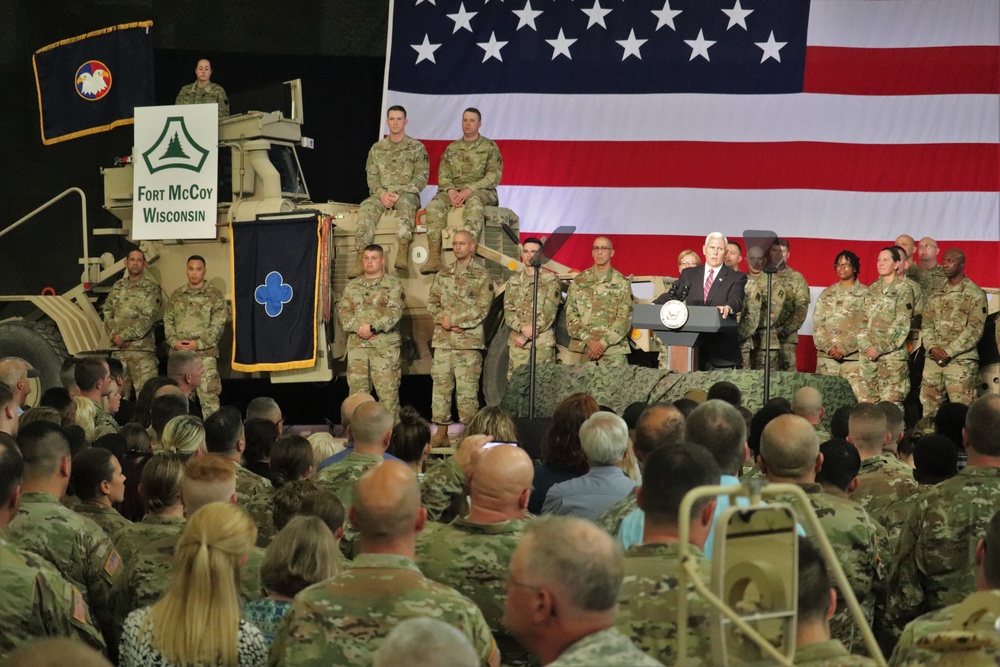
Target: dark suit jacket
[{"x": 721, "y": 349}]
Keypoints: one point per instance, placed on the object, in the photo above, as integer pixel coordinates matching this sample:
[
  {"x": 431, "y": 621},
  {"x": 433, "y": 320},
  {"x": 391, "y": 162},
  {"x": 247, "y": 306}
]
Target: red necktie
[{"x": 708, "y": 285}]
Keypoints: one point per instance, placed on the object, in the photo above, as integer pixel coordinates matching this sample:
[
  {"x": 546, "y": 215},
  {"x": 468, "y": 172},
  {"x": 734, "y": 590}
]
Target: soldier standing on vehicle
[
  {"x": 194, "y": 319},
  {"x": 517, "y": 311},
  {"x": 369, "y": 311},
  {"x": 132, "y": 308},
  {"x": 203, "y": 91},
  {"x": 468, "y": 177},
  {"x": 397, "y": 171},
  {"x": 599, "y": 310},
  {"x": 459, "y": 301}
]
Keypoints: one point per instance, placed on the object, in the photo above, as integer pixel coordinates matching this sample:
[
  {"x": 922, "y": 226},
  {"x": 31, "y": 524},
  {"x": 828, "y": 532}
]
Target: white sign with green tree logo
[{"x": 176, "y": 172}]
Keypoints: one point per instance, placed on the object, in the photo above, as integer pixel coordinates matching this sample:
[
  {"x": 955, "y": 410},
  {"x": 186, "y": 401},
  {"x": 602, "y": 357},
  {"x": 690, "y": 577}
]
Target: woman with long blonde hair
[{"x": 197, "y": 621}]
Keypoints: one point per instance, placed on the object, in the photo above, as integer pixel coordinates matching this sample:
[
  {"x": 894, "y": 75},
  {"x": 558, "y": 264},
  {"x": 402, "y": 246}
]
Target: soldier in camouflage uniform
[
  {"x": 882, "y": 479},
  {"x": 38, "y": 601},
  {"x": 789, "y": 453},
  {"x": 837, "y": 319},
  {"x": 926, "y": 640},
  {"x": 93, "y": 378},
  {"x": 753, "y": 299},
  {"x": 888, "y": 308},
  {"x": 933, "y": 563},
  {"x": 203, "y": 91},
  {"x": 468, "y": 177},
  {"x": 225, "y": 436},
  {"x": 369, "y": 311},
  {"x": 75, "y": 545},
  {"x": 953, "y": 323},
  {"x": 794, "y": 308},
  {"x": 380, "y": 588},
  {"x": 459, "y": 301},
  {"x": 756, "y": 258},
  {"x": 194, "y": 319},
  {"x": 133, "y": 537},
  {"x": 397, "y": 169},
  {"x": 648, "y": 601},
  {"x": 929, "y": 273},
  {"x": 132, "y": 308},
  {"x": 517, "y": 302},
  {"x": 599, "y": 310},
  {"x": 471, "y": 553},
  {"x": 568, "y": 567}
]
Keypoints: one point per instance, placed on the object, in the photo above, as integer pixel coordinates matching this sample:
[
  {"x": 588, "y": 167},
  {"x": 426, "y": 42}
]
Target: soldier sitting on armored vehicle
[
  {"x": 397, "y": 169},
  {"x": 203, "y": 91},
  {"x": 468, "y": 177}
]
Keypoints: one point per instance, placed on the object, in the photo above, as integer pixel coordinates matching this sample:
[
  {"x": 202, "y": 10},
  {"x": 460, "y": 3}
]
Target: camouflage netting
[{"x": 619, "y": 387}]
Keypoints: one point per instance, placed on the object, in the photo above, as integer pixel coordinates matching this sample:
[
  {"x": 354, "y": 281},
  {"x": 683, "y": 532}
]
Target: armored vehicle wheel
[{"x": 38, "y": 343}]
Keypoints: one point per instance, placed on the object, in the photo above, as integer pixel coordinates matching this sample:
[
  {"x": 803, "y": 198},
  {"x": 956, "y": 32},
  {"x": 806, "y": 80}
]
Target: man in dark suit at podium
[{"x": 715, "y": 284}]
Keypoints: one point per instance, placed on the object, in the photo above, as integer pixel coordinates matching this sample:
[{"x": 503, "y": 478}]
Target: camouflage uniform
[
  {"x": 953, "y": 320},
  {"x": 793, "y": 313},
  {"x": 476, "y": 165},
  {"x": 130, "y": 311},
  {"x": 395, "y": 167},
  {"x": 599, "y": 305},
  {"x": 146, "y": 577},
  {"x": 517, "y": 301},
  {"x": 611, "y": 520},
  {"x": 129, "y": 539},
  {"x": 882, "y": 481},
  {"x": 647, "y": 604},
  {"x": 340, "y": 479},
  {"x": 830, "y": 653},
  {"x": 931, "y": 280},
  {"x": 916, "y": 646},
  {"x": 107, "y": 518},
  {"x": 199, "y": 315},
  {"x": 104, "y": 422},
  {"x": 778, "y": 298},
  {"x": 341, "y": 621},
  {"x": 39, "y": 602},
  {"x": 212, "y": 92},
  {"x": 604, "y": 648},
  {"x": 78, "y": 547},
  {"x": 888, "y": 309},
  {"x": 261, "y": 508},
  {"x": 472, "y": 558},
  {"x": 464, "y": 293},
  {"x": 248, "y": 485},
  {"x": 443, "y": 481},
  {"x": 838, "y": 317},
  {"x": 860, "y": 545},
  {"x": 378, "y": 302},
  {"x": 750, "y": 317},
  {"x": 934, "y": 561}
]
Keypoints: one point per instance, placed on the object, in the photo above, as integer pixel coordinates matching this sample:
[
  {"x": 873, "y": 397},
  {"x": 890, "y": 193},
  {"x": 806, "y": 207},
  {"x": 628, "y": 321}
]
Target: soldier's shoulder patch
[
  {"x": 79, "y": 606},
  {"x": 112, "y": 562}
]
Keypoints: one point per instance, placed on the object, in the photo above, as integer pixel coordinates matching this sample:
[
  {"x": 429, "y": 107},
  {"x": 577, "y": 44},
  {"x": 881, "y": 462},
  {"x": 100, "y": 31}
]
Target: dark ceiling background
[{"x": 337, "y": 47}]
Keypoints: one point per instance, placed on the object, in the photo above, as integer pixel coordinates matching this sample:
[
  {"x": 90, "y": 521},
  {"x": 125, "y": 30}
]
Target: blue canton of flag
[{"x": 598, "y": 46}]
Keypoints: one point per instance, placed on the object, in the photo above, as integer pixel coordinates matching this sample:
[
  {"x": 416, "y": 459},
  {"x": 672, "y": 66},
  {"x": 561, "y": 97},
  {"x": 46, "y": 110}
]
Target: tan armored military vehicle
[{"x": 258, "y": 158}]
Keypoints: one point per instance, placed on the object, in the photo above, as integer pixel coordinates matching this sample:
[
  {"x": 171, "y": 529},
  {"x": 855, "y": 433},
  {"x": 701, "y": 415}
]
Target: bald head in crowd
[
  {"x": 808, "y": 404},
  {"x": 351, "y": 404},
  {"x": 721, "y": 429},
  {"x": 660, "y": 424},
  {"x": 868, "y": 430},
  {"x": 371, "y": 428},
  {"x": 209, "y": 478},
  {"x": 982, "y": 424},
  {"x": 387, "y": 511},
  {"x": 789, "y": 450},
  {"x": 14, "y": 374},
  {"x": 8, "y": 410},
  {"x": 501, "y": 484}
]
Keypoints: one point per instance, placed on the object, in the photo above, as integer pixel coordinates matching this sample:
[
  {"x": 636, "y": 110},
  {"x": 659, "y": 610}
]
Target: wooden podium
[{"x": 701, "y": 320}]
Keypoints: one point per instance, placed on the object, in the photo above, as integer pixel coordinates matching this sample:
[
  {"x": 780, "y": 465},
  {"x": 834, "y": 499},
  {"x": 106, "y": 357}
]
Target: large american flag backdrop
[{"x": 834, "y": 123}]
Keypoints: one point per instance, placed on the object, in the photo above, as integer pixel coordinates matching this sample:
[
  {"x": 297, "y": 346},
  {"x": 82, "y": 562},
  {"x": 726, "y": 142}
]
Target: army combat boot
[
  {"x": 358, "y": 267},
  {"x": 433, "y": 263},
  {"x": 440, "y": 437},
  {"x": 402, "y": 254}
]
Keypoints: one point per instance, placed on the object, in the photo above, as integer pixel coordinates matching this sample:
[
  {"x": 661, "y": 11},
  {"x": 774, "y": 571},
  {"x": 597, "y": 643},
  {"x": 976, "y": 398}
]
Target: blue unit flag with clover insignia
[
  {"x": 275, "y": 292},
  {"x": 93, "y": 82}
]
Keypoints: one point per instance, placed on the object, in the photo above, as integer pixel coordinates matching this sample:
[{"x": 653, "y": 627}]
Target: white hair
[
  {"x": 425, "y": 642},
  {"x": 717, "y": 235},
  {"x": 604, "y": 437}
]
